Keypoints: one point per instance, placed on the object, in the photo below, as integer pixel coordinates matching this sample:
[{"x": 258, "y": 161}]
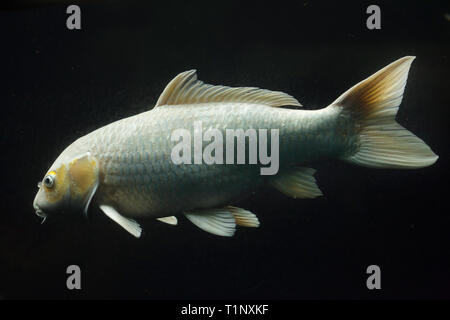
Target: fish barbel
[{"x": 131, "y": 168}]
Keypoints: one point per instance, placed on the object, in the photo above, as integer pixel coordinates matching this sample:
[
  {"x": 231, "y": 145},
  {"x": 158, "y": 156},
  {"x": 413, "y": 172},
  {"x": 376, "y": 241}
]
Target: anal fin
[
  {"x": 298, "y": 182},
  {"x": 244, "y": 218}
]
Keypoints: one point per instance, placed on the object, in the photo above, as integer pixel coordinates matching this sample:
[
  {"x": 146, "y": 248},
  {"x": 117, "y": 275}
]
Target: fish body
[
  {"x": 127, "y": 168},
  {"x": 139, "y": 178}
]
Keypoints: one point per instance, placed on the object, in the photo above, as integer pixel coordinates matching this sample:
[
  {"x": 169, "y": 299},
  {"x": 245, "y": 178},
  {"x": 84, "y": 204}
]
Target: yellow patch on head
[{"x": 83, "y": 176}]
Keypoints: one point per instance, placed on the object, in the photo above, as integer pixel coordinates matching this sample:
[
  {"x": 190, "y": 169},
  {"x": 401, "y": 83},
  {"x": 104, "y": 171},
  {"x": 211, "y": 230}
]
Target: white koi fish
[{"x": 126, "y": 169}]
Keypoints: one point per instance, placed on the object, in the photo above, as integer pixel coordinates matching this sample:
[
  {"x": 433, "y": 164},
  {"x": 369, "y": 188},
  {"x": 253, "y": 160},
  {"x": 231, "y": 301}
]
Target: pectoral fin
[
  {"x": 222, "y": 221},
  {"x": 169, "y": 220},
  {"x": 128, "y": 224}
]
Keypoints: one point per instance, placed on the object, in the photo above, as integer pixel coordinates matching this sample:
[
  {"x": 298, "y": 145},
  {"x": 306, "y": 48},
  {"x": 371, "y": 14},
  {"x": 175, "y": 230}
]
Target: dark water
[{"x": 58, "y": 85}]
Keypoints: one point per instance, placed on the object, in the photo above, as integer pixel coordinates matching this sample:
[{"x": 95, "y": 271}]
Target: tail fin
[{"x": 373, "y": 103}]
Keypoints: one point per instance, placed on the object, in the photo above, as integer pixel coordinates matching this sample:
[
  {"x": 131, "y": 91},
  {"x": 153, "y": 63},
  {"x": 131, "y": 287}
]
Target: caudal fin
[{"x": 373, "y": 103}]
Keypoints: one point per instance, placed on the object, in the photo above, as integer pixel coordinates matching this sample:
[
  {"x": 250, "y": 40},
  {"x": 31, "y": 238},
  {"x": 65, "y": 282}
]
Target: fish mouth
[{"x": 40, "y": 213}]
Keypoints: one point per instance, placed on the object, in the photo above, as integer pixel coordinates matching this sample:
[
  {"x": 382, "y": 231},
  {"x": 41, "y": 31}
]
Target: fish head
[{"x": 68, "y": 186}]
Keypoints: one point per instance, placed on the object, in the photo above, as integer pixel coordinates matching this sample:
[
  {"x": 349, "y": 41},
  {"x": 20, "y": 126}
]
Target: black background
[{"x": 58, "y": 84}]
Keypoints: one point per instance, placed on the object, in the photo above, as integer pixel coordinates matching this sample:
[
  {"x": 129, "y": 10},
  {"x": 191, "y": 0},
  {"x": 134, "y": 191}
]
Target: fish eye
[{"x": 49, "y": 181}]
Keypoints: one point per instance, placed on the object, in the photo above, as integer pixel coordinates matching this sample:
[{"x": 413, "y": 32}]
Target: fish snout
[
  {"x": 37, "y": 208},
  {"x": 39, "y": 212}
]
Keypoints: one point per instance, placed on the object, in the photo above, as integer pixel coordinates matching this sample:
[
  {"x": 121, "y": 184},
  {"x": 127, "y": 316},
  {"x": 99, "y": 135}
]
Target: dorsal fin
[{"x": 185, "y": 88}]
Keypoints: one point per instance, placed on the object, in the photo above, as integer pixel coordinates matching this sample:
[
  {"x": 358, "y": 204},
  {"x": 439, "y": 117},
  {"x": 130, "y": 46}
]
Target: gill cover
[{"x": 83, "y": 178}]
